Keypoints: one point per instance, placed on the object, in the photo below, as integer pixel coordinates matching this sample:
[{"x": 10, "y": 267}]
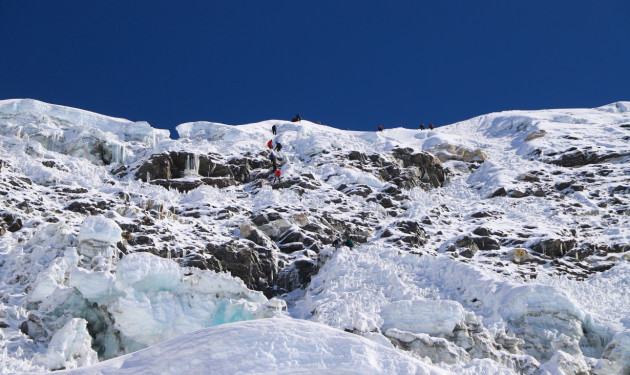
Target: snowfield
[{"x": 496, "y": 245}]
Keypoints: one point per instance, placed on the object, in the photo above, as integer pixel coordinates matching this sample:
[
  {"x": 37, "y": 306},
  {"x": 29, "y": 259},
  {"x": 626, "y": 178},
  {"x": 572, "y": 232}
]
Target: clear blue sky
[{"x": 349, "y": 64}]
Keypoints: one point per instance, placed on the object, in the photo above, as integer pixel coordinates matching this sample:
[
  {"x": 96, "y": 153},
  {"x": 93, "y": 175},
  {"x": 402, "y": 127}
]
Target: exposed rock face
[
  {"x": 422, "y": 169},
  {"x": 581, "y": 158},
  {"x": 246, "y": 264},
  {"x": 555, "y": 248},
  {"x": 165, "y": 170},
  {"x": 405, "y": 168}
]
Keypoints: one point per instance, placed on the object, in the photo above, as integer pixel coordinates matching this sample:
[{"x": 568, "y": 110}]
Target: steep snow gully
[{"x": 496, "y": 245}]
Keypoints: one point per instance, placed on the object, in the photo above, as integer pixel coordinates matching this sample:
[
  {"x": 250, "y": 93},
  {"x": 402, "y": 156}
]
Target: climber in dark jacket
[
  {"x": 336, "y": 243},
  {"x": 349, "y": 243},
  {"x": 421, "y": 126},
  {"x": 273, "y": 129},
  {"x": 278, "y": 146}
]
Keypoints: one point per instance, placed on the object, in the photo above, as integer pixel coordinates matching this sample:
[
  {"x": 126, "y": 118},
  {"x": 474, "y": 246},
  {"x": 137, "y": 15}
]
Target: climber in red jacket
[{"x": 277, "y": 176}]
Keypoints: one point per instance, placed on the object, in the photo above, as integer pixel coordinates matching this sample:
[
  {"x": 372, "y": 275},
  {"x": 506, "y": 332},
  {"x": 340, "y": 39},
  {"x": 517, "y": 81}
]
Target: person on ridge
[
  {"x": 421, "y": 126},
  {"x": 431, "y": 126},
  {"x": 277, "y": 176},
  {"x": 380, "y": 128},
  {"x": 274, "y": 129},
  {"x": 278, "y": 146},
  {"x": 297, "y": 116},
  {"x": 270, "y": 144}
]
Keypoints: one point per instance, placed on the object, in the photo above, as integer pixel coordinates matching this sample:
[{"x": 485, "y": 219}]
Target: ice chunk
[
  {"x": 99, "y": 228},
  {"x": 433, "y": 317},
  {"x": 70, "y": 347}
]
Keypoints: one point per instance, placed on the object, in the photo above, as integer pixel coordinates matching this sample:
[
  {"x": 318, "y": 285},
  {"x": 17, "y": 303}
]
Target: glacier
[{"x": 499, "y": 244}]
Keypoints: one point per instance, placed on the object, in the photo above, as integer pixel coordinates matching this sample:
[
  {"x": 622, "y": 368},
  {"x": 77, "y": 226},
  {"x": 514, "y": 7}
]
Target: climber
[
  {"x": 270, "y": 144},
  {"x": 349, "y": 243},
  {"x": 431, "y": 126},
  {"x": 277, "y": 176},
  {"x": 272, "y": 157},
  {"x": 336, "y": 243},
  {"x": 278, "y": 146},
  {"x": 380, "y": 128},
  {"x": 296, "y": 118},
  {"x": 421, "y": 126},
  {"x": 273, "y": 129},
  {"x": 274, "y": 165}
]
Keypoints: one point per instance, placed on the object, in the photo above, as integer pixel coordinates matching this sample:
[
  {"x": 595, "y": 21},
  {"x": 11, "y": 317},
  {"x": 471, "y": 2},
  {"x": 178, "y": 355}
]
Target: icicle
[
  {"x": 118, "y": 153},
  {"x": 192, "y": 165}
]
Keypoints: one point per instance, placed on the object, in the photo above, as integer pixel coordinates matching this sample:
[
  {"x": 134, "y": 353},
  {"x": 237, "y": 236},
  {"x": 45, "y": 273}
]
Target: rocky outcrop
[
  {"x": 581, "y": 158},
  {"x": 167, "y": 169},
  {"x": 254, "y": 265},
  {"x": 555, "y": 248},
  {"x": 421, "y": 169},
  {"x": 403, "y": 167}
]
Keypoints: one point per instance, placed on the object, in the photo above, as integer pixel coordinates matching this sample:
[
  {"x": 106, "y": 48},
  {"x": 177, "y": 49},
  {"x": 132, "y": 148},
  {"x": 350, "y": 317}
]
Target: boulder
[
  {"x": 486, "y": 243},
  {"x": 528, "y": 177},
  {"x": 469, "y": 246},
  {"x": 555, "y": 248},
  {"x": 519, "y": 255}
]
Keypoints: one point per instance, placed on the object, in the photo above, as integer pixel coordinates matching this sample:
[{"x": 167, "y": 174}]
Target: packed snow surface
[{"x": 73, "y": 297}]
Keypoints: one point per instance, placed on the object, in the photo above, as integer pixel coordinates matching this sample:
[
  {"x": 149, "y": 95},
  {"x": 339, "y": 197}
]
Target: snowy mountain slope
[{"x": 496, "y": 245}]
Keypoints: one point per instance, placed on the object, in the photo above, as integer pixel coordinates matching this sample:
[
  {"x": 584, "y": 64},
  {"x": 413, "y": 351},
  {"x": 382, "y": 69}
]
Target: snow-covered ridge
[
  {"x": 75, "y": 132},
  {"x": 499, "y": 244}
]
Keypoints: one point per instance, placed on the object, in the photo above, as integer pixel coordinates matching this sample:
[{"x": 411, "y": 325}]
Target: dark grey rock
[
  {"x": 555, "y": 248},
  {"x": 500, "y": 192},
  {"x": 244, "y": 263},
  {"x": 486, "y": 243}
]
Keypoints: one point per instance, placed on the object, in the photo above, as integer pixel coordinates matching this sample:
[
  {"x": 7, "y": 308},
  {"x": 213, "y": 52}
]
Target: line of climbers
[
  {"x": 337, "y": 243},
  {"x": 272, "y": 157},
  {"x": 380, "y": 127}
]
